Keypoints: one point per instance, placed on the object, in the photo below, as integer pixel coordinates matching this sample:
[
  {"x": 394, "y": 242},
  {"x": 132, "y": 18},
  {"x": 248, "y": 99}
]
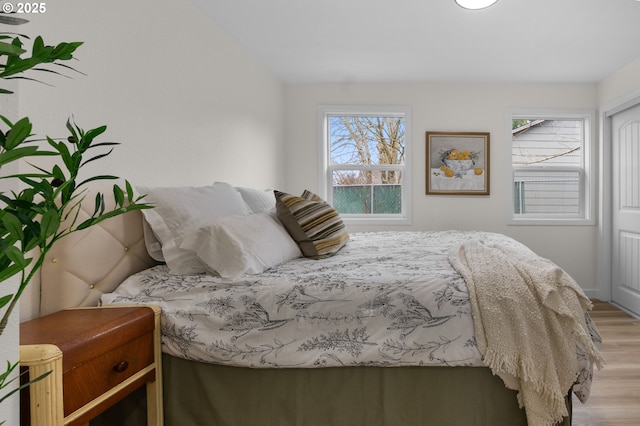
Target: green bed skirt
[{"x": 214, "y": 395}]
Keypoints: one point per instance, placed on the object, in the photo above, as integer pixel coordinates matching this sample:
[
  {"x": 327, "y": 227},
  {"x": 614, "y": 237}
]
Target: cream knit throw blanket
[{"x": 528, "y": 317}]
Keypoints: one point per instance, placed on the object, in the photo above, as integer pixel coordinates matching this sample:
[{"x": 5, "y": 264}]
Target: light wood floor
[{"x": 615, "y": 393}]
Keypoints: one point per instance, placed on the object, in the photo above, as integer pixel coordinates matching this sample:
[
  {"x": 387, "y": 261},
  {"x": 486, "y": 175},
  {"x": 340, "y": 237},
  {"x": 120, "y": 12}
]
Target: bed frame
[{"x": 87, "y": 264}]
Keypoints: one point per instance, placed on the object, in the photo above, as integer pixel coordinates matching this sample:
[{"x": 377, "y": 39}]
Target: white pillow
[
  {"x": 259, "y": 201},
  {"x": 237, "y": 245},
  {"x": 178, "y": 212}
]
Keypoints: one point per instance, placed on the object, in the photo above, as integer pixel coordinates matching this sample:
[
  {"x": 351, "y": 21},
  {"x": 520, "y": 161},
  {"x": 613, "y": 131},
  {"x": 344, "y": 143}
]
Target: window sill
[
  {"x": 531, "y": 221},
  {"x": 375, "y": 221}
]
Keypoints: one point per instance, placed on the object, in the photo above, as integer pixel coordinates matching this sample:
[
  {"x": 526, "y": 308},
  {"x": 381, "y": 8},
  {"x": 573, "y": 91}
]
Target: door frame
[{"x": 605, "y": 224}]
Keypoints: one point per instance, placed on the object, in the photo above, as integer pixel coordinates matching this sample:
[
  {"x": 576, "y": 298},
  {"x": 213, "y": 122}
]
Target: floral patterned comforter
[{"x": 386, "y": 299}]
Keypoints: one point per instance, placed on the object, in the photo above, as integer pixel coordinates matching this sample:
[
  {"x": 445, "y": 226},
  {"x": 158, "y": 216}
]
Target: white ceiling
[{"x": 346, "y": 41}]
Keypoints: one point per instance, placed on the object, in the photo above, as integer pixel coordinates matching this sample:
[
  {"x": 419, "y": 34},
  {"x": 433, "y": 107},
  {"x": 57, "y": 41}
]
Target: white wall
[
  {"x": 620, "y": 84},
  {"x": 451, "y": 107},
  {"x": 187, "y": 103}
]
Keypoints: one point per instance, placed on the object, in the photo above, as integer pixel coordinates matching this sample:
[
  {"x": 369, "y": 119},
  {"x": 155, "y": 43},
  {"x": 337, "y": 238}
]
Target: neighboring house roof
[
  {"x": 526, "y": 127},
  {"x": 547, "y": 142}
]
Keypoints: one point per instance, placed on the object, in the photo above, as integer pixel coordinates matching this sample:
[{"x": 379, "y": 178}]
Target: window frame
[
  {"x": 586, "y": 171},
  {"x": 325, "y": 180}
]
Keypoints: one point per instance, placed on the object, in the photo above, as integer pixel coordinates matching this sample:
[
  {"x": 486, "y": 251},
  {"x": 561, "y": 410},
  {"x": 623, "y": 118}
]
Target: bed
[{"x": 340, "y": 329}]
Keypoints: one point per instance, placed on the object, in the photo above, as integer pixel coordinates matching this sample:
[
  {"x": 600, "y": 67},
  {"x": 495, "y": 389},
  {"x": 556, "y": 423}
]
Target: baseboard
[{"x": 593, "y": 294}]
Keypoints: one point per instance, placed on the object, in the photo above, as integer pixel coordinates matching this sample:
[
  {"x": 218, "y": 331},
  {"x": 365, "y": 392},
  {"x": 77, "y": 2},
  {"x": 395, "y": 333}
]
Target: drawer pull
[{"x": 121, "y": 366}]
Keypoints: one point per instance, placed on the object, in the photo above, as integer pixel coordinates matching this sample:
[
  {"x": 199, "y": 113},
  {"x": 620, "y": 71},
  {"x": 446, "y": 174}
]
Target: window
[
  {"x": 552, "y": 168},
  {"x": 363, "y": 152}
]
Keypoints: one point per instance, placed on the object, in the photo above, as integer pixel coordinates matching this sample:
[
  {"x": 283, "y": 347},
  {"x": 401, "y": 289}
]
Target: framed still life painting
[{"x": 458, "y": 163}]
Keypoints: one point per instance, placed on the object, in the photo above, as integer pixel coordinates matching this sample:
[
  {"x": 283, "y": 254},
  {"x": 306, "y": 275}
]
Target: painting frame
[{"x": 457, "y": 163}]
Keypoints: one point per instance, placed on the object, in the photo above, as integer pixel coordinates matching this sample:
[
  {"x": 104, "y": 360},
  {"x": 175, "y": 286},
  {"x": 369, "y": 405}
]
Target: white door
[{"x": 625, "y": 263}]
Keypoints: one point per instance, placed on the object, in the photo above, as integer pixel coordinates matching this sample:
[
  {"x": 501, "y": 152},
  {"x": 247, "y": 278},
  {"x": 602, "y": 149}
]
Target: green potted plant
[{"x": 32, "y": 215}]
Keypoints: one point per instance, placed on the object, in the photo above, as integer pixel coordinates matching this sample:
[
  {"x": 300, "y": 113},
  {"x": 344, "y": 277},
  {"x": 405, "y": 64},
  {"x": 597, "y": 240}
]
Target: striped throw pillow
[{"x": 312, "y": 223}]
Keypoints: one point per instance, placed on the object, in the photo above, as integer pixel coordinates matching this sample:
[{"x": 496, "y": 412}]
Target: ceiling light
[{"x": 475, "y": 4}]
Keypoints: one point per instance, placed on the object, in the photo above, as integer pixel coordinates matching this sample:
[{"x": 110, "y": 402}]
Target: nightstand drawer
[
  {"x": 87, "y": 381},
  {"x": 95, "y": 357}
]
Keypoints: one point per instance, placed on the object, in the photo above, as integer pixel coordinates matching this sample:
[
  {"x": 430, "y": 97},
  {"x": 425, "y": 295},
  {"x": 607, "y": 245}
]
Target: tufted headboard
[{"x": 84, "y": 265}]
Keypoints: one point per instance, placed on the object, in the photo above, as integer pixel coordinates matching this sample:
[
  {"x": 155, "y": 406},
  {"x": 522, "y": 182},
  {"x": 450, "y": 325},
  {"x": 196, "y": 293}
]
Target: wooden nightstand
[{"x": 97, "y": 356}]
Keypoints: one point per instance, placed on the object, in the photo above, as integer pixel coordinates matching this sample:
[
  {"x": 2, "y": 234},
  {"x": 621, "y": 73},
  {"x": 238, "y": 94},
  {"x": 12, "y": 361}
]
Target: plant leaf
[
  {"x": 100, "y": 177},
  {"x": 5, "y": 299},
  {"x": 50, "y": 223},
  {"x": 12, "y": 225},
  {"x": 118, "y": 195},
  {"x": 104, "y": 144},
  {"x": 72, "y": 130},
  {"x": 64, "y": 51},
  {"x": 57, "y": 172},
  {"x": 6, "y": 121},
  {"x": 50, "y": 71},
  {"x": 7, "y": 48},
  {"x": 24, "y": 385},
  {"x": 7, "y": 373},
  {"x": 16, "y": 256},
  {"x": 89, "y": 136},
  {"x": 7, "y": 157},
  {"x": 97, "y": 204},
  {"x": 130, "y": 193},
  {"x": 20, "y": 131},
  {"x": 65, "y": 154},
  {"x": 38, "y": 48},
  {"x": 97, "y": 157},
  {"x": 7, "y": 273},
  {"x": 69, "y": 68}
]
